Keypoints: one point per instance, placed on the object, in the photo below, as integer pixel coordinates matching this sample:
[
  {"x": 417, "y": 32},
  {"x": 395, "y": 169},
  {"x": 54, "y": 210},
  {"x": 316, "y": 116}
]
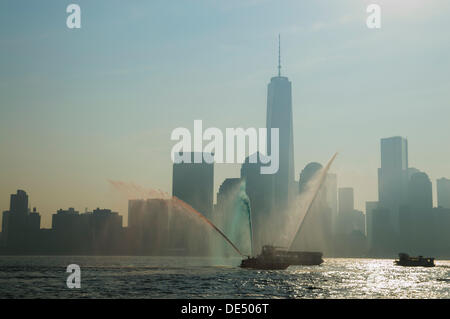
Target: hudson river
[{"x": 187, "y": 277}]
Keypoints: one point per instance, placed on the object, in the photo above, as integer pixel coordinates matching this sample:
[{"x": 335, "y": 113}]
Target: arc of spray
[
  {"x": 250, "y": 225},
  {"x": 190, "y": 208},
  {"x": 163, "y": 195},
  {"x": 321, "y": 180}
]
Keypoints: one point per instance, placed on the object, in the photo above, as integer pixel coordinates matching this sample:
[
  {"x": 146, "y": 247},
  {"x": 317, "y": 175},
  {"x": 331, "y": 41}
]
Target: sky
[{"x": 81, "y": 107}]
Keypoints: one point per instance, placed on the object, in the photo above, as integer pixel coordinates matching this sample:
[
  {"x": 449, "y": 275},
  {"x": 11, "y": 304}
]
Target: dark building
[
  {"x": 148, "y": 222},
  {"x": 65, "y": 220},
  {"x": 315, "y": 232},
  {"x": 307, "y": 174},
  {"x": 193, "y": 183},
  {"x": 420, "y": 196},
  {"x": 97, "y": 232},
  {"x": 73, "y": 232},
  {"x": 349, "y": 219},
  {"x": 443, "y": 192},
  {"x": 416, "y": 218},
  {"x": 259, "y": 189},
  {"x": 34, "y": 221},
  {"x": 346, "y": 200},
  {"x": 20, "y": 227},
  {"x": 332, "y": 197},
  {"x": 233, "y": 216},
  {"x": 19, "y": 203},
  {"x": 393, "y": 177},
  {"x": 279, "y": 115},
  {"x": 106, "y": 230},
  {"x": 370, "y": 207},
  {"x": 165, "y": 227},
  {"x": 441, "y": 233},
  {"x": 384, "y": 237},
  {"x": 227, "y": 190},
  {"x": 226, "y": 201}
]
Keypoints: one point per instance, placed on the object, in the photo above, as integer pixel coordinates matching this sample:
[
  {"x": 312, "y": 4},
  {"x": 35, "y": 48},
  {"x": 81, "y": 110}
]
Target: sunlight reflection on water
[{"x": 183, "y": 277}]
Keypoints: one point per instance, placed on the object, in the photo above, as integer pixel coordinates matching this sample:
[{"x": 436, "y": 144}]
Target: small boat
[{"x": 408, "y": 261}]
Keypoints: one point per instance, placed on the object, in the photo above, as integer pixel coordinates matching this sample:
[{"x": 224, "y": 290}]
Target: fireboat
[{"x": 277, "y": 258}]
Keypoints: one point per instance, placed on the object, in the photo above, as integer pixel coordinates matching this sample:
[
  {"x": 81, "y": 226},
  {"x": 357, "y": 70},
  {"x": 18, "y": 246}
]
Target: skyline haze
[{"x": 82, "y": 107}]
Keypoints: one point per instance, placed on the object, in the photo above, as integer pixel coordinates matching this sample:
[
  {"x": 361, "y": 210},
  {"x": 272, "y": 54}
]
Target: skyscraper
[
  {"x": 259, "y": 189},
  {"x": 279, "y": 115},
  {"x": 19, "y": 226},
  {"x": 149, "y": 222},
  {"x": 370, "y": 208},
  {"x": 346, "y": 201},
  {"x": 393, "y": 176},
  {"x": 307, "y": 174},
  {"x": 332, "y": 197},
  {"x": 19, "y": 203},
  {"x": 443, "y": 192},
  {"x": 315, "y": 233},
  {"x": 226, "y": 197},
  {"x": 420, "y": 196},
  {"x": 416, "y": 218},
  {"x": 193, "y": 183},
  {"x": 349, "y": 219}
]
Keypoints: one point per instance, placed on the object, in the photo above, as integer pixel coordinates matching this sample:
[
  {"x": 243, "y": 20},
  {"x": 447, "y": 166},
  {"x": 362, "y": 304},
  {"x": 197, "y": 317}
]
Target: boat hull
[
  {"x": 414, "y": 264},
  {"x": 303, "y": 258},
  {"x": 408, "y": 261},
  {"x": 255, "y": 263},
  {"x": 275, "y": 258}
]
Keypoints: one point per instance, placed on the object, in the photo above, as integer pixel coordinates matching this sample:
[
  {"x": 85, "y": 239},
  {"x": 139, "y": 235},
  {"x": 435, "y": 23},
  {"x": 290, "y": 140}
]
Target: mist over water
[
  {"x": 235, "y": 219},
  {"x": 298, "y": 222},
  {"x": 188, "y": 224},
  {"x": 132, "y": 191},
  {"x": 305, "y": 200},
  {"x": 230, "y": 229}
]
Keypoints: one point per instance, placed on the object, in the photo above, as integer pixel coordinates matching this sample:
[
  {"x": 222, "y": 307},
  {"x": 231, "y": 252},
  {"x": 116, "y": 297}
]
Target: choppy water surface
[{"x": 179, "y": 277}]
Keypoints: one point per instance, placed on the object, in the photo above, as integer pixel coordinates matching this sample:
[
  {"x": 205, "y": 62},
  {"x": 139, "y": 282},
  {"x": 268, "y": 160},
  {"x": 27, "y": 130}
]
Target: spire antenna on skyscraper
[{"x": 279, "y": 55}]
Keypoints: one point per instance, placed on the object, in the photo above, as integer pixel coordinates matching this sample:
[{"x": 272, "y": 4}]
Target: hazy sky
[{"x": 81, "y": 107}]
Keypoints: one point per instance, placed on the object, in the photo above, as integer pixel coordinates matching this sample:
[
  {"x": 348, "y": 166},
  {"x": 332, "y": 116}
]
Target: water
[{"x": 187, "y": 277}]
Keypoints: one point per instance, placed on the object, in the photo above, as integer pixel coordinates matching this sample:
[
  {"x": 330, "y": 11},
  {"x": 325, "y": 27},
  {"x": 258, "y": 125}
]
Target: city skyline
[
  {"x": 404, "y": 218},
  {"x": 113, "y": 123}
]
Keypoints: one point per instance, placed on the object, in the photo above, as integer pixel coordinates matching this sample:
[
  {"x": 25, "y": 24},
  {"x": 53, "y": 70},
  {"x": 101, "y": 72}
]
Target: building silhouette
[
  {"x": 73, "y": 231},
  {"x": 440, "y": 232},
  {"x": 227, "y": 190},
  {"x": 443, "y": 192},
  {"x": 279, "y": 115},
  {"x": 193, "y": 183},
  {"x": 20, "y": 227},
  {"x": 420, "y": 195},
  {"x": 332, "y": 198},
  {"x": 260, "y": 191},
  {"x": 349, "y": 219},
  {"x": 393, "y": 177},
  {"x": 226, "y": 201},
  {"x": 149, "y": 227},
  {"x": 346, "y": 200},
  {"x": 384, "y": 239},
  {"x": 416, "y": 218},
  {"x": 96, "y": 232},
  {"x": 370, "y": 209},
  {"x": 316, "y": 231}
]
